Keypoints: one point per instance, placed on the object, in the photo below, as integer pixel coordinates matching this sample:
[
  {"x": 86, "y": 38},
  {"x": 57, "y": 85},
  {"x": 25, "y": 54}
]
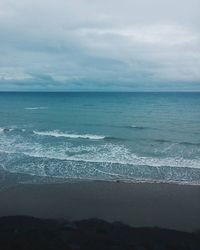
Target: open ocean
[{"x": 101, "y": 136}]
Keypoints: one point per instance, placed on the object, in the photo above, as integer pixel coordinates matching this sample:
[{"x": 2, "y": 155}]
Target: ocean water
[{"x": 101, "y": 136}]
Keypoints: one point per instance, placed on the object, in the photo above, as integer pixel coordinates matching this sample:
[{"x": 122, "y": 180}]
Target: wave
[
  {"x": 163, "y": 140},
  {"x": 35, "y": 108},
  {"x": 71, "y": 136},
  {"x": 57, "y": 133},
  {"x": 113, "y": 138}
]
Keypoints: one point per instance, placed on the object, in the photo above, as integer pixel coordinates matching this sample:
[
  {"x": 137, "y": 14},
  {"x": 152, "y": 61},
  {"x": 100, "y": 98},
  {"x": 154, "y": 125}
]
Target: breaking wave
[
  {"x": 68, "y": 135},
  {"x": 102, "y": 160},
  {"x": 107, "y": 153}
]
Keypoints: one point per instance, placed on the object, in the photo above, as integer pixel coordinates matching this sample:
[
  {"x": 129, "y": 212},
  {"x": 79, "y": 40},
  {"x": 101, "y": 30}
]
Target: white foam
[
  {"x": 35, "y": 108},
  {"x": 134, "y": 160},
  {"x": 104, "y": 154},
  {"x": 67, "y": 135}
]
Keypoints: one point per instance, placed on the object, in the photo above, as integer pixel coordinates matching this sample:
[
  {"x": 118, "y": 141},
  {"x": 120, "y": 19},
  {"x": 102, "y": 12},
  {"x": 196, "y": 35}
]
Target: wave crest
[{"x": 68, "y": 135}]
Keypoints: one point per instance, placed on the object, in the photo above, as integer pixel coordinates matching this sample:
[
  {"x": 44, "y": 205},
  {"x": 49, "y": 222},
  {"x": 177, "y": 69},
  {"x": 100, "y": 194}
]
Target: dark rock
[{"x": 22, "y": 233}]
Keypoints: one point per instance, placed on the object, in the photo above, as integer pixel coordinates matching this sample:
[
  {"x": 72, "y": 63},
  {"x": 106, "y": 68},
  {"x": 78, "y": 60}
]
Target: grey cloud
[{"x": 91, "y": 45}]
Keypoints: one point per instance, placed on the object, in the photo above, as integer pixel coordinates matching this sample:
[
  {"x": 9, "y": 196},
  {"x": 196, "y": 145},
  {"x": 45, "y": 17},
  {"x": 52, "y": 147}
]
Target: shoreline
[
  {"x": 170, "y": 206},
  {"x": 15, "y": 179}
]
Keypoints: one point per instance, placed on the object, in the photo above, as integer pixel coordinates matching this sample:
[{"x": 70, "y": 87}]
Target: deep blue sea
[{"x": 101, "y": 136}]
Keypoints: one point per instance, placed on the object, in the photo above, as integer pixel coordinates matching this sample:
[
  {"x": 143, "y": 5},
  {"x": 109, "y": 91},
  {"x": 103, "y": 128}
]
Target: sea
[{"x": 75, "y": 136}]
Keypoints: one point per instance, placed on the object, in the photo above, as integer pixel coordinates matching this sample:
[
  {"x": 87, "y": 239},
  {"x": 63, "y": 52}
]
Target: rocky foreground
[{"x": 28, "y": 233}]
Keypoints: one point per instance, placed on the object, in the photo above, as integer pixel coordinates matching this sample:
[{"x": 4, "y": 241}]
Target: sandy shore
[{"x": 162, "y": 205}]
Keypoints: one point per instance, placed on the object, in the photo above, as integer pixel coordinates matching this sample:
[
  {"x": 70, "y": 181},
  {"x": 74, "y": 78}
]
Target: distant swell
[
  {"x": 189, "y": 143},
  {"x": 114, "y": 138},
  {"x": 163, "y": 140},
  {"x": 71, "y": 136},
  {"x": 135, "y": 127}
]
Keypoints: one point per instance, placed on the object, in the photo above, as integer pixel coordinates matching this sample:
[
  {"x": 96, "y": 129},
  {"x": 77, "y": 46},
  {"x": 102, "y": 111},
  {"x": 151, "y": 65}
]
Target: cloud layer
[{"x": 99, "y": 45}]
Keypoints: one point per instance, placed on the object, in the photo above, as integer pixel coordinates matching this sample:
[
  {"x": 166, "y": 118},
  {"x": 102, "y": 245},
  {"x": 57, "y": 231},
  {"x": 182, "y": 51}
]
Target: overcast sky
[{"x": 100, "y": 45}]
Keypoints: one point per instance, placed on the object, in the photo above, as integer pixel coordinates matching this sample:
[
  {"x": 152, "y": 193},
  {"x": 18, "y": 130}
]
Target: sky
[{"x": 92, "y": 45}]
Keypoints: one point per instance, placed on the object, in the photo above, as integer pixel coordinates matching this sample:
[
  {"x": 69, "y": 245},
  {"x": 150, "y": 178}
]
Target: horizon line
[{"x": 98, "y": 91}]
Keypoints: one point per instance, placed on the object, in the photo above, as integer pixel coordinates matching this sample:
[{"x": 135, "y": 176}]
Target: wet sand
[{"x": 146, "y": 204}]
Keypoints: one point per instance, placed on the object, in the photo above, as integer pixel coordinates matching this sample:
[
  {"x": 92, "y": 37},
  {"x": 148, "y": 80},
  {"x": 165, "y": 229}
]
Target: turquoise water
[{"x": 101, "y": 136}]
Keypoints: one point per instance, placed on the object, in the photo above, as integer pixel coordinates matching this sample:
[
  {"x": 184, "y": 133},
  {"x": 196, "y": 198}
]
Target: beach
[{"x": 168, "y": 206}]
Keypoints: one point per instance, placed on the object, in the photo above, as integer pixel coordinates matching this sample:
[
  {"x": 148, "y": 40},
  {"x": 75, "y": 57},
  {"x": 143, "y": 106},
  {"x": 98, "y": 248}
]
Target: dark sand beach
[
  {"x": 168, "y": 206},
  {"x": 99, "y": 215}
]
